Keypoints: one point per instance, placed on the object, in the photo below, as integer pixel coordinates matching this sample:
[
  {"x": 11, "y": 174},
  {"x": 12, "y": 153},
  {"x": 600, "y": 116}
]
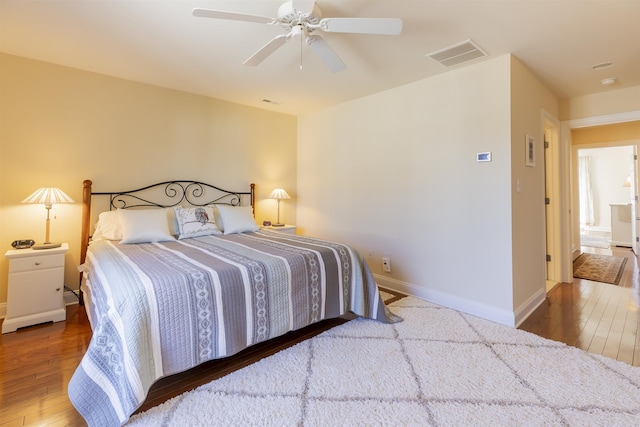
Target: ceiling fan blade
[
  {"x": 266, "y": 50},
  {"x": 330, "y": 59},
  {"x": 305, "y": 7},
  {"x": 384, "y": 26},
  {"x": 219, "y": 14}
]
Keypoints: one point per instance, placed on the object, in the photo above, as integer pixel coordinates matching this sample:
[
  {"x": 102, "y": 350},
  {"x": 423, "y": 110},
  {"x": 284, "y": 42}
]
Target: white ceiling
[{"x": 161, "y": 43}]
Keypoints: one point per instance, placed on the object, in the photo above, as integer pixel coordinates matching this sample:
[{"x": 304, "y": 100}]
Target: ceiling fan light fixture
[
  {"x": 297, "y": 32},
  {"x": 608, "y": 81}
]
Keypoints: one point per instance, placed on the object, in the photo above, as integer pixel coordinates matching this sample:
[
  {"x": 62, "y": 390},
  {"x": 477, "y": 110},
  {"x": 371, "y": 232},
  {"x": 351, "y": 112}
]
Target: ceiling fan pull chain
[{"x": 300, "y": 52}]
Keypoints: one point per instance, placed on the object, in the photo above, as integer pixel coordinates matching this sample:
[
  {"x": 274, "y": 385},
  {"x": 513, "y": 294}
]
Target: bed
[{"x": 178, "y": 273}]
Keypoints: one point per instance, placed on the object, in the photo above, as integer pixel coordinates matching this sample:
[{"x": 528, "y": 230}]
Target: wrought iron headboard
[
  {"x": 161, "y": 195},
  {"x": 174, "y": 193}
]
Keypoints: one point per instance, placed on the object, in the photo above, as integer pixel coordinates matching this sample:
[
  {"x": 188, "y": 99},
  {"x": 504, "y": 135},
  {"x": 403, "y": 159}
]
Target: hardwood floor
[
  {"x": 36, "y": 363},
  {"x": 597, "y": 317}
]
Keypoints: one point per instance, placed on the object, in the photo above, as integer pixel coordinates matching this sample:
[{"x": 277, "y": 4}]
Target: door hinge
[
  {"x": 547, "y": 201},
  {"x": 548, "y": 258},
  {"x": 546, "y": 144}
]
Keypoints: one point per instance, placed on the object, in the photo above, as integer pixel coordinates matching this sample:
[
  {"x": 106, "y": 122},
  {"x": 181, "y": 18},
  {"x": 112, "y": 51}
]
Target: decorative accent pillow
[
  {"x": 108, "y": 227},
  {"x": 145, "y": 225},
  {"x": 196, "y": 221},
  {"x": 237, "y": 219}
]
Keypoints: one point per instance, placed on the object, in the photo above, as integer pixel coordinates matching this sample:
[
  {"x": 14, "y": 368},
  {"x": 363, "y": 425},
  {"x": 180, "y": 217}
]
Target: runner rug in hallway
[
  {"x": 599, "y": 268},
  {"x": 438, "y": 367}
]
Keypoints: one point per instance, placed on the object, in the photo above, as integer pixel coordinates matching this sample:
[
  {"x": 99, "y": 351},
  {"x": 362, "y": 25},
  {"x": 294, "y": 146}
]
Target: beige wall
[
  {"x": 606, "y": 133},
  {"x": 528, "y": 98},
  {"x": 59, "y": 126},
  {"x": 396, "y": 173},
  {"x": 601, "y": 104}
]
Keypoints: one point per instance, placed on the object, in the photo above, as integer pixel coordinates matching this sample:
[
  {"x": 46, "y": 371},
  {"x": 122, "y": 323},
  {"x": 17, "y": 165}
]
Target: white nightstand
[
  {"x": 36, "y": 287},
  {"x": 287, "y": 228}
]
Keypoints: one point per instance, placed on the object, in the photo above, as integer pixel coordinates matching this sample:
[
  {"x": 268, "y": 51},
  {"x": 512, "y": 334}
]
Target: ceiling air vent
[{"x": 458, "y": 53}]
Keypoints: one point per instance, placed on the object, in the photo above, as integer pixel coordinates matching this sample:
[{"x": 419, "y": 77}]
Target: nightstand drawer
[{"x": 35, "y": 263}]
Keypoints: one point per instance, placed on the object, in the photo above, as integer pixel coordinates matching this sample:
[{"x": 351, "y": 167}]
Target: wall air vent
[{"x": 458, "y": 53}]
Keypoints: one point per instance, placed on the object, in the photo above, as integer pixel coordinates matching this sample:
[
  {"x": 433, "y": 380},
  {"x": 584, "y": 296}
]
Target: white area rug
[{"x": 438, "y": 367}]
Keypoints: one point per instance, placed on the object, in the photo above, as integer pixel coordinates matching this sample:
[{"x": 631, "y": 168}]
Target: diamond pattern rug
[
  {"x": 439, "y": 367},
  {"x": 599, "y": 268}
]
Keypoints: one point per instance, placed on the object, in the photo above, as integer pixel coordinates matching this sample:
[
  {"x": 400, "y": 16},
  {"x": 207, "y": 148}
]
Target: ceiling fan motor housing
[{"x": 290, "y": 17}]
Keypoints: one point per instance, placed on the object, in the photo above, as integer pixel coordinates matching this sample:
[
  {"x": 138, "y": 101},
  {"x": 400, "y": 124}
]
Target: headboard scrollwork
[
  {"x": 173, "y": 193},
  {"x": 161, "y": 195}
]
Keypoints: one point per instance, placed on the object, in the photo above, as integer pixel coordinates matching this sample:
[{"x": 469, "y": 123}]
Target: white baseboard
[
  {"x": 69, "y": 299},
  {"x": 504, "y": 317},
  {"x": 529, "y": 306}
]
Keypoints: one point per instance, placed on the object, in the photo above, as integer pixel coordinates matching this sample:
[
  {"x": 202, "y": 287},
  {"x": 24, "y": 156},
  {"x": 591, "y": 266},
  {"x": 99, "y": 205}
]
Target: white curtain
[{"x": 586, "y": 193}]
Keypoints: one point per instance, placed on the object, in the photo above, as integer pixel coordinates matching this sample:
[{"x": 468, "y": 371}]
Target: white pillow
[
  {"x": 108, "y": 227},
  {"x": 145, "y": 225},
  {"x": 237, "y": 219},
  {"x": 196, "y": 221}
]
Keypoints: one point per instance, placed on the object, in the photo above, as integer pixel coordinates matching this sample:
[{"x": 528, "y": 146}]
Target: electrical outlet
[{"x": 386, "y": 264}]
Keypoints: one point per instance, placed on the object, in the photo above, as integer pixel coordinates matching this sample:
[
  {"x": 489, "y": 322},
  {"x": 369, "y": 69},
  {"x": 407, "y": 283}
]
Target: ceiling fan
[{"x": 301, "y": 18}]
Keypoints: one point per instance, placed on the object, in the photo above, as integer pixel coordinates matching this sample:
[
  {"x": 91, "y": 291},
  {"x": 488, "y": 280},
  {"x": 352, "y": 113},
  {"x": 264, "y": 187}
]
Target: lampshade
[
  {"x": 278, "y": 193},
  {"x": 627, "y": 182},
  {"x": 48, "y": 197}
]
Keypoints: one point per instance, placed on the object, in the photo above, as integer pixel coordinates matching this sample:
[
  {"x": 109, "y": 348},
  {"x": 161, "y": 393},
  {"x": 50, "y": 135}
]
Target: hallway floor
[{"x": 597, "y": 317}]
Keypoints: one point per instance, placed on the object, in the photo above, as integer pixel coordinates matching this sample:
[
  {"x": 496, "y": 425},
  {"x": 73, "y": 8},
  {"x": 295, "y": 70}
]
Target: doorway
[
  {"x": 569, "y": 232},
  {"x": 606, "y": 196}
]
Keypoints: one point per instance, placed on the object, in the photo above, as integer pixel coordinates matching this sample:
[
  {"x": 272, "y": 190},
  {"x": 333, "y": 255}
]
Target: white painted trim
[
  {"x": 70, "y": 298},
  {"x": 484, "y": 311},
  {"x": 529, "y": 306},
  {"x": 629, "y": 116}
]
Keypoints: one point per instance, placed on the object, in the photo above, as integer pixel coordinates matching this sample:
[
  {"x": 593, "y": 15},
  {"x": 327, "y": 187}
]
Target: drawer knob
[
  {"x": 57, "y": 289},
  {"x": 37, "y": 263}
]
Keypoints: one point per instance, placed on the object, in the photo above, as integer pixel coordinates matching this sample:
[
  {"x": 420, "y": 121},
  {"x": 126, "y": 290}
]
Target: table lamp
[
  {"x": 278, "y": 194},
  {"x": 48, "y": 197}
]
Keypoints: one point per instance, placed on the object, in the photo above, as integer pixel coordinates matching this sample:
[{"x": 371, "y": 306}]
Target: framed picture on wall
[{"x": 530, "y": 151}]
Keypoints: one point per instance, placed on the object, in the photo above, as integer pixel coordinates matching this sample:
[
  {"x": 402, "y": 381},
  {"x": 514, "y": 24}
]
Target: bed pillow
[
  {"x": 108, "y": 227},
  {"x": 237, "y": 219},
  {"x": 195, "y": 222},
  {"x": 145, "y": 225}
]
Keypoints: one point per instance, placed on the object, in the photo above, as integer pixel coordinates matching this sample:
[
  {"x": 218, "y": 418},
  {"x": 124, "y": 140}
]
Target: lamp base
[
  {"x": 47, "y": 245},
  {"x": 278, "y": 225}
]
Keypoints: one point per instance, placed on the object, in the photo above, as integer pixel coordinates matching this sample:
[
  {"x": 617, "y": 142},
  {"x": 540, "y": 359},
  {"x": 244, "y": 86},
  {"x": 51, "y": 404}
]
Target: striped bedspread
[{"x": 161, "y": 308}]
